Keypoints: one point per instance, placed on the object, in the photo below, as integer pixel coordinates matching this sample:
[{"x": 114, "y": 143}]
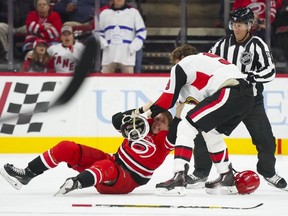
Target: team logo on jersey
[
  {"x": 246, "y": 58},
  {"x": 144, "y": 148},
  {"x": 191, "y": 100}
]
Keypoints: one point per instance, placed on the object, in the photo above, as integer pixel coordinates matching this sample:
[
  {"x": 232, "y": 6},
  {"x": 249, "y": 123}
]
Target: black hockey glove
[{"x": 155, "y": 110}]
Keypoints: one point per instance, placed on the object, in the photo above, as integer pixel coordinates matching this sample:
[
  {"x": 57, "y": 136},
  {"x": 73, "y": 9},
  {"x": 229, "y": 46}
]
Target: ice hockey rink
[{"x": 37, "y": 198}]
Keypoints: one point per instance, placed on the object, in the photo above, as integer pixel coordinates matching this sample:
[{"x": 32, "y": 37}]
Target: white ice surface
[{"x": 37, "y": 197}]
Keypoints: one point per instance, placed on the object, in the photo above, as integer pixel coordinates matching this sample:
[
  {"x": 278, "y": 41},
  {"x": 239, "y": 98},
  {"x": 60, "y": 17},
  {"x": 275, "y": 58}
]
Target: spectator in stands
[
  {"x": 20, "y": 11},
  {"x": 67, "y": 53},
  {"x": 38, "y": 59},
  {"x": 76, "y": 13},
  {"x": 42, "y": 23},
  {"x": 122, "y": 33}
]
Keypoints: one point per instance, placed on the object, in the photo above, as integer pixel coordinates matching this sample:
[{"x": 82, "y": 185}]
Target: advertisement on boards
[{"x": 88, "y": 114}]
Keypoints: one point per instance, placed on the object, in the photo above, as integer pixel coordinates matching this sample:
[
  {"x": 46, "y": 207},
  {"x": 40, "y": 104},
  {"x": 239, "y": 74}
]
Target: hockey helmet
[
  {"x": 247, "y": 181},
  {"x": 242, "y": 15},
  {"x": 134, "y": 128}
]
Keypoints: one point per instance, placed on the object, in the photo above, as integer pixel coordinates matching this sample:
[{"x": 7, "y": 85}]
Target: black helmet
[{"x": 242, "y": 15}]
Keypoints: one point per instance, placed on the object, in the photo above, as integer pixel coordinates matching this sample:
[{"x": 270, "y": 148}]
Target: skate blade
[
  {"x": 272, "y": 185},
  {"x": 222, "y": 190},
  {"x": 197, "y": 185},
  {"x": 12, "y": 181},
  {"x": 60, "y": 192},
  {"x": 177, "y": 191}
]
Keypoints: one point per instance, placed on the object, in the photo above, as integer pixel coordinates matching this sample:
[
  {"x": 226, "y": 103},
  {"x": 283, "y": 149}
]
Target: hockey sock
[
  {"x": 86, "y": 179},
  {"x": 36, "y": 166}
]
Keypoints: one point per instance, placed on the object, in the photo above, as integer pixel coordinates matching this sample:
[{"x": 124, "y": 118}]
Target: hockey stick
[
  {"x": 85, "y": 65},
  {"x": 81, "y": 71},
  {"x": 165, "y": 206}
]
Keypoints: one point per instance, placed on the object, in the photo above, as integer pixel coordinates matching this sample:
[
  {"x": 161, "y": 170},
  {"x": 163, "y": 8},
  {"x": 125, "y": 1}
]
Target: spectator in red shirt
[
  {"x": 259, "y": 9},
  {"x": 42, "y": 23}
]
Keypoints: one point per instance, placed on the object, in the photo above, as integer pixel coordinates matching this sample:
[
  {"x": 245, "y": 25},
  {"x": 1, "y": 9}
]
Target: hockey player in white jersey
[
  {"x": 66, "y": 54},
  {"x": 224, "y": 98}
]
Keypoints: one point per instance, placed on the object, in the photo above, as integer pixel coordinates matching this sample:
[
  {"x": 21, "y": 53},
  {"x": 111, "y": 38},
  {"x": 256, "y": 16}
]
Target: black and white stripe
[{"x": 253, "y": 56}]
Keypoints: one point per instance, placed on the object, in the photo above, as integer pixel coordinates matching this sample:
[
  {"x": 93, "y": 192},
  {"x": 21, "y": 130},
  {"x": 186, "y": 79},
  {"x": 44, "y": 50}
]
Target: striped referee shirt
[{"x": 252, "y": 56}]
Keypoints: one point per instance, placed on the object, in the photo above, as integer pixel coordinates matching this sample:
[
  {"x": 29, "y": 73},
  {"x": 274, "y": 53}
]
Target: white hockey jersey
[
  {"x": 65, "y": 58},
  {"x": 196, "y": 77}
]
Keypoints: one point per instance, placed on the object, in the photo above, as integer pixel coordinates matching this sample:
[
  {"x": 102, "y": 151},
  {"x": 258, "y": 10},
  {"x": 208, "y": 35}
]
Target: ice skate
[
  {"x": 196, "y": 180},
  {"x": 176, "y": 185},
  {"x": 15, "y": 176},
  {"x": 69, "y": 185},
  {"x": 224, "y": 184},
  {"x": 277, "y": 181}
]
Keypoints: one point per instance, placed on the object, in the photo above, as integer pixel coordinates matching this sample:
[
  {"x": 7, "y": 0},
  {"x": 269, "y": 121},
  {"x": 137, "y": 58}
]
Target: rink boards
[{"x": 87, "y": 117}]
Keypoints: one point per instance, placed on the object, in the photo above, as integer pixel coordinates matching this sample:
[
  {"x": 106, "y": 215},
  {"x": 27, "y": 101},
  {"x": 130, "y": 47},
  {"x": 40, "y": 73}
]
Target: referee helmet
[{"x": 242, "y": 15}]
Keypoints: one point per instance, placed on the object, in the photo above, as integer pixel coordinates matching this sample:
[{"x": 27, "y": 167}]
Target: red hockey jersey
[{"x": 133, "y": 155}]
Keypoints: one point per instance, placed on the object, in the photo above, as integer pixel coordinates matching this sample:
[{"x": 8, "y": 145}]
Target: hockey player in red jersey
[
  {"x": 223, "y": 97},
  {"x": 131, "y": 166}
]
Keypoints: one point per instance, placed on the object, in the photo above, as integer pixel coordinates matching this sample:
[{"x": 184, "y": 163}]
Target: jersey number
[{"x": 221, "y": 60}]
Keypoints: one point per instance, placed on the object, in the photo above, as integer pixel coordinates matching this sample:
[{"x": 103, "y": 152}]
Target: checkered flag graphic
[{"x": 32, "y": 101}]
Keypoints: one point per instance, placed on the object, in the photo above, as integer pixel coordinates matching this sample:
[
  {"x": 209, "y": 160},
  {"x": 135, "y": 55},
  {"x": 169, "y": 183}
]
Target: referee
[{"x": 252, "y": 56}]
